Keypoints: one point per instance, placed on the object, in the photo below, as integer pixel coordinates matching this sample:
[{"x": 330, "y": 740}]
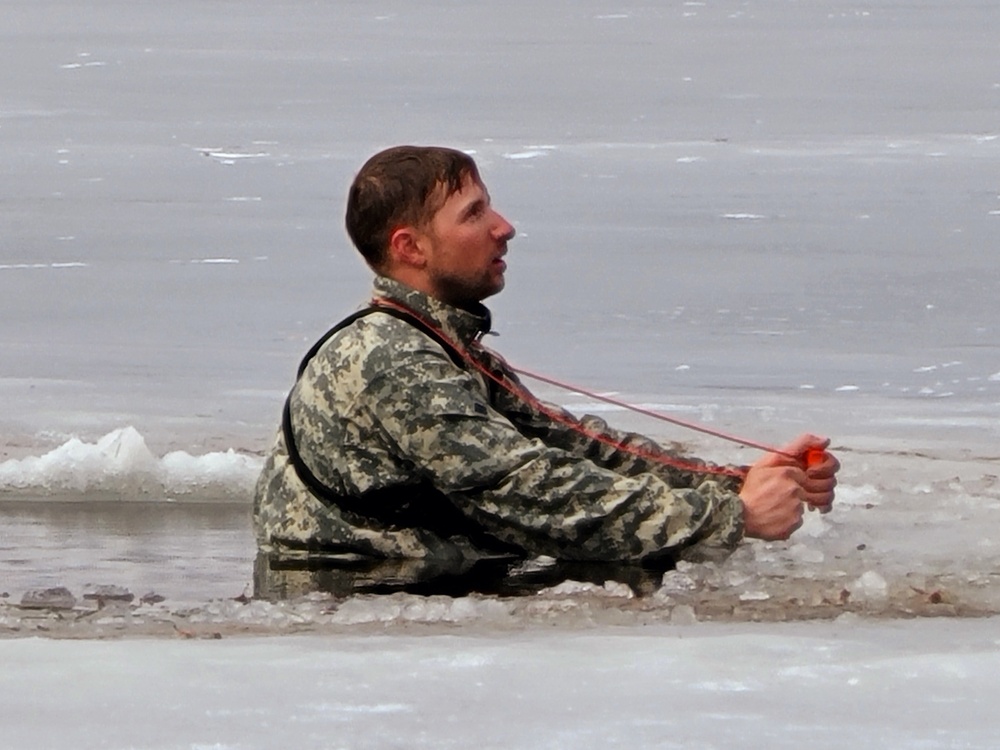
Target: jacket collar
[{"x": 463, "y": 325}]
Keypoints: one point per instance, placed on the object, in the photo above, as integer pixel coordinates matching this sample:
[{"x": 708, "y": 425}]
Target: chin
[{"x": 495, "y": 289}]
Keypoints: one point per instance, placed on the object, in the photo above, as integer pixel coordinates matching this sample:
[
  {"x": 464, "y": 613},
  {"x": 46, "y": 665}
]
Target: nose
[{"x": 504, "y": 231}]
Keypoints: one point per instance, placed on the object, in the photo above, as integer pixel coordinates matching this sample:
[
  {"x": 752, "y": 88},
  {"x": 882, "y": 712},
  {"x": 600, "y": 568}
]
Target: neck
[{"x": 414, "y": 279}]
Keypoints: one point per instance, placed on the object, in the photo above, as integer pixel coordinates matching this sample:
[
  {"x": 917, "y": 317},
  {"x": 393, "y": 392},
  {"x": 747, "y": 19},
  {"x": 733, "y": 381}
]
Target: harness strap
[
  {"x": 419, "y": 505},
  {"x": 395, "y": 312}
]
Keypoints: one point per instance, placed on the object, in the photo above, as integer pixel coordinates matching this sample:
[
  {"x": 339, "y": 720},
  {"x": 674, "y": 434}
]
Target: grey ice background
[
  {"x": 926, "y": 684},
  {"x": 769, "y": 215},
  {"x": 632, "y": 145}
]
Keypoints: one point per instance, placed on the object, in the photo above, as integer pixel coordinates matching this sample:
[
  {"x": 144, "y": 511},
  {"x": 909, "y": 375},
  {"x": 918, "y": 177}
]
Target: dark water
[
  {"x": 190, "y": 551},
  {"x": 182, "y": 551}
]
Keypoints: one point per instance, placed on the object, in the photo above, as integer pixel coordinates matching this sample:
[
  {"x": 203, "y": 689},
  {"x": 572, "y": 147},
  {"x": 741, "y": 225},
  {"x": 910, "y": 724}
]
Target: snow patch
[{"x": 120, "y": 462}]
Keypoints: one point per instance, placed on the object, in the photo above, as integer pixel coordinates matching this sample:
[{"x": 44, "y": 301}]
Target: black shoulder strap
[
  {"x": 448, "y": 346},
  {"x": 417, "y": 505},
  {"x": 309, "y": 479}
]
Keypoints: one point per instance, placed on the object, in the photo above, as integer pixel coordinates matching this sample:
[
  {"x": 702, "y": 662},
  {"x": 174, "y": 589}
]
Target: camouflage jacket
[{"x": 453, "y": 466}]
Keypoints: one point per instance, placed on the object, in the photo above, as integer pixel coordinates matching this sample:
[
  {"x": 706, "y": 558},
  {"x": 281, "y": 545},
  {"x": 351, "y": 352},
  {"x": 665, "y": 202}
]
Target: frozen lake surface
[
  {"x": 923, "y": 684},
  {"x": 767, "y": 216}
]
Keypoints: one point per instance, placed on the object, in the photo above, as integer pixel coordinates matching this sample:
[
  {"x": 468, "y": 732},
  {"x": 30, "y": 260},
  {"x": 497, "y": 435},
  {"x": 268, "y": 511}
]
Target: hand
[
  {"x": 821, "y": 477},
  {"x": 772, "y": 496},
  {"x": 820, "y": 467},
  {"x": 779, "y": 483}
]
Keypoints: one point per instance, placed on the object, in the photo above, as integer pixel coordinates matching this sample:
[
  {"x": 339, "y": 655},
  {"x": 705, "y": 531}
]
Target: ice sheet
[
  {"x": 777, "y": 214},
  {"x": 856, "y": 685},
  {"x": 769, "y": 216}
]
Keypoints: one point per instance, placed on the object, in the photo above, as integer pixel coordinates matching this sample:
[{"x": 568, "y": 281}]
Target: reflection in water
[
  {"x": 276, "y": 578},
  {"x": 180, "y": 550},
  {"x": 190, "y": 551}
]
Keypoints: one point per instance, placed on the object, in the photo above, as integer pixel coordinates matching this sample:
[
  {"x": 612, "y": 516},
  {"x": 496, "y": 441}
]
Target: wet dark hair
[{"x": 401, "y": 186}]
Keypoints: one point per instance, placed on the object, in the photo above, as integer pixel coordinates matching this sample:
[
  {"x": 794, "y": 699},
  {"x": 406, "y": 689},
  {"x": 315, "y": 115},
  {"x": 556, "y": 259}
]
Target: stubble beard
[{"x": 462, "y": 292}]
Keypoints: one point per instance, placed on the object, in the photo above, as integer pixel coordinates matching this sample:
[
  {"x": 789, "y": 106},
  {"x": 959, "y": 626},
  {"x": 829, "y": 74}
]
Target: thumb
[{"x": 793, "y": 453}]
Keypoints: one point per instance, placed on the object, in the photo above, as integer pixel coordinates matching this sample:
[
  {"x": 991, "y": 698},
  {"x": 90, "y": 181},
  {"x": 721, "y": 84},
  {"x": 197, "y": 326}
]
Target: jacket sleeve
[
  {"x": 545, "y": 497},
  {"x": 628, "y": 453}
]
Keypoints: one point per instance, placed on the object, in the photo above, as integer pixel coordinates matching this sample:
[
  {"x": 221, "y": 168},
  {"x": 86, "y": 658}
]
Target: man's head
[{"x": 422, "y": 216}]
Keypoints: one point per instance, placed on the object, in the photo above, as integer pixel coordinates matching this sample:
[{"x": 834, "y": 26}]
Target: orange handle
[{"x": 814, "y": 457}]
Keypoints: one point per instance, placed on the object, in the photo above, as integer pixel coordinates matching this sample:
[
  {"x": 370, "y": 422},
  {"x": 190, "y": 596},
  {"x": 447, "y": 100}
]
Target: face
[{"x": 464, "y": 245}]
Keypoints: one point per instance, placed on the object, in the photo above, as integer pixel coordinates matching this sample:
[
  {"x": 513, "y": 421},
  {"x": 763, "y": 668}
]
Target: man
[{"x": 408, "y": 450}]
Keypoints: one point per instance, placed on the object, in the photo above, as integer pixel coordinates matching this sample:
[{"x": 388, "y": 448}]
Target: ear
[{"x": 407, "y": 247}]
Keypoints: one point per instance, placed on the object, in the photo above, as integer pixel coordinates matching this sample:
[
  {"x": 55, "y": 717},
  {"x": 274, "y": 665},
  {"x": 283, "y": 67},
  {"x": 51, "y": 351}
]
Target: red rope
[
  {"x": 528, "y": 397},
  {"x": 651, "y": 413}
]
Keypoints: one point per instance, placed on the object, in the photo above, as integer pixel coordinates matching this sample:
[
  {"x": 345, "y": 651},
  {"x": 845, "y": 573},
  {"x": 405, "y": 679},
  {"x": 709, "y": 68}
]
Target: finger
[
  {"x": 820, "y": 500},
  {"x": 806, "y": 450},
  {"x": 813, "y": 487},
  {"x": 813, "y": 484},
  {"x": 821, "y": 504},
  {"x": 826, "y": 467},
  {"x": 789, "y": 455},
  {"x": 805, "y": 442},
  {"x": 821, "y": 473}
]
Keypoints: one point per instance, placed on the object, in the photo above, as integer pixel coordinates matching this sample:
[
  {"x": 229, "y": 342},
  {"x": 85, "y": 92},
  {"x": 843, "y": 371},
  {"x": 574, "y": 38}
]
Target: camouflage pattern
[{"x": 382, "y": 405}]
